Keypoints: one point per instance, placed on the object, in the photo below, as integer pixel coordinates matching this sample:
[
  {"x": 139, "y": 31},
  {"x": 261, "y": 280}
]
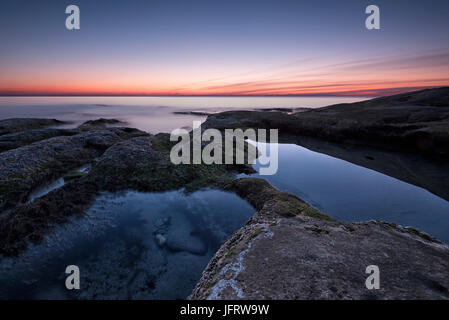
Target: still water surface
[
  {"x": 134, "y": 245},
  {"x": 130, "y": 245},
  {"x": 350, "y": 192}
]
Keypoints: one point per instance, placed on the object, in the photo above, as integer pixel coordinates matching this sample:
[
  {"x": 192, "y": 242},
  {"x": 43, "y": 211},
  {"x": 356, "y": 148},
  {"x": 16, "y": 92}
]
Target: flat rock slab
[
  {"x": 296, "y": 259},
  {"x": 288, "y": 251}
]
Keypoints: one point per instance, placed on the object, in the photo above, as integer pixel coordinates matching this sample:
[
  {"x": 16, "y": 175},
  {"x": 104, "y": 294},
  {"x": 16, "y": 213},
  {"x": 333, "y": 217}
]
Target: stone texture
[
  {"x": 13, "y": 125},
  {"x": 416, "y": 122},
  {"x": 29, "y": 167},
  {"x": 304, "y": 257}
]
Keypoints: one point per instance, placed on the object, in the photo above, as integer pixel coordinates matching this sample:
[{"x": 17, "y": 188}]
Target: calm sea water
[{"x": 152, "y": 114}]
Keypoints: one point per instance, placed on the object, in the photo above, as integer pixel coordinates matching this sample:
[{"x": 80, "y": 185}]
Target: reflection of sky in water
[
  {"x": 155, "y": 245},
  {"x": 352, "y": 193},
  {"x": 153, "y": 114},
  {"x": 129, "y": 245}
]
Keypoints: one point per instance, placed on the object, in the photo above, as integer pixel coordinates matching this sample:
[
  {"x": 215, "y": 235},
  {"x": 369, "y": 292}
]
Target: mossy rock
[
  {"x": 74, "y": 174},
  {"x": 10, "y": 187},
  {"x": 296, "y": 207},
  {"x": 420, "y": 234}
]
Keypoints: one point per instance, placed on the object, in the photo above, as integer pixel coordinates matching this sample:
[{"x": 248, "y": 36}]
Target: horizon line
[
  {"x": 368, "y": 93},
  {"x": 185, "y": 95}
]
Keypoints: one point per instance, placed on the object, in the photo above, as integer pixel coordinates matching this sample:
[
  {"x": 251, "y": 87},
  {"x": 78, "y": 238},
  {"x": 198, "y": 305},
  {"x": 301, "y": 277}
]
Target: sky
[{"x": 244, "y": 47}]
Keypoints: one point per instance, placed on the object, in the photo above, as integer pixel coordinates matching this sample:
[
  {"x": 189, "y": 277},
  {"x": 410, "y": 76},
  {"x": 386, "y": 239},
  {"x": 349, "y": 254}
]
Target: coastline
[{"x": 127, "y": 158}]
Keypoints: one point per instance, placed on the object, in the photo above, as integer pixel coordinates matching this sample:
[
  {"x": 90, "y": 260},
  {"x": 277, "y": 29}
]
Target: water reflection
[
  {"x": 350, "y": 192},
  {"x": 129, "y": 246}
]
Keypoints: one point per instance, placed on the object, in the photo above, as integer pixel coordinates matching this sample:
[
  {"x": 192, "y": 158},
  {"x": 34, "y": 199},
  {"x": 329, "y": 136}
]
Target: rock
[
  {"x": 100, "y": 124},
  {"x": 416, "y": 122},
  {"x": 194, "y": 113},
  {"x": 23, "y": 138},
  {"x": 26, "y": 168},
  {"x": 30, "y": 222},
  {"x": 22, "y": 124},
  {"x": 75, "y": 174},
  {"x": 27, "y": 136},
  {"x": 287, "y": 250},
  {"x": 127, "y": 159},
  {"x": 160, "y": 240},
  {"x": 287, "y": 110},
  {"x": 143, "y": 164},
  {"x": 298, "y": 255}
]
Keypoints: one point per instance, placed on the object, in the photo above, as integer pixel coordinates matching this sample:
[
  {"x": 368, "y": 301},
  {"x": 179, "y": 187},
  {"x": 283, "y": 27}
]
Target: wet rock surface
[
  {"x": 20, "y": 139},
  {"x": 26, "y": 168},
  {"x": 295, "y": 254},
  {"x": 287, "y": 249},
  {"x": 128, "y": 245},
  {"x": 416, "y": 122},
  {"x": 121, "y": 158},
  {"x": 101, "y": 123},
  {"x": 194, "y": 113},
  {"x": 291, "y": 251},
  {"x": 28, "y": 223},
  {"x": 23, "y": 124},
  {"x": 144, "y": 164}
]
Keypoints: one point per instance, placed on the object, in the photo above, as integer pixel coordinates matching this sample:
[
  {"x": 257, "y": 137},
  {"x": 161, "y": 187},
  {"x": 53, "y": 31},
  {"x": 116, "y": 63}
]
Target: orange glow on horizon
[
  {"x": 367, "y": 90},
  {"x": 321, "y": 76}
]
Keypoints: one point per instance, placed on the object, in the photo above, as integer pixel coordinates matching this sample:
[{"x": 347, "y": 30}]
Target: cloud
[{"x": 372, "y": 76}]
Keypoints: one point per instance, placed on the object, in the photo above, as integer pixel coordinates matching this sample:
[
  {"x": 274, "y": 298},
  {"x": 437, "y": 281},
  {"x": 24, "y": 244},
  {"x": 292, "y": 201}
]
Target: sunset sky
[{"x": 244, "y": 47}]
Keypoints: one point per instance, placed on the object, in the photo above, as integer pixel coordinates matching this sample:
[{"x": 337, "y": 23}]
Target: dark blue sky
[{"x": 241, "y": 47}]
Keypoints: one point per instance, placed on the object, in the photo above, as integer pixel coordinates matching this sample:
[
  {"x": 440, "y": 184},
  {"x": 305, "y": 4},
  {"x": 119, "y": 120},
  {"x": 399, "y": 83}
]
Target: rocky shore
[
  {"x": 121, "y": 158},
  {"x": 287, "y": 249},
  {"x": 416, "y": 122}
]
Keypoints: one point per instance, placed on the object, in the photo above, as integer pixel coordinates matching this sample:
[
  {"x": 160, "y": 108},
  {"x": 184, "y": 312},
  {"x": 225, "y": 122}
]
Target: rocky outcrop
[
  {"x": 22, "y": 124},
  {"x": 194, "y": 113},
  {"x": 124, "y": 159},
  {"x": 29, "y": 222},
  {"x": 100, "y": 124},
  {"x": 27, "y": 168},
  {"x": 289, "y": 251},
  {"x": 16, "y": 133},
  {"x": 416, "y": 122},
  {"x": 144, "y": 164},
  {"x": 23, "y": 138}
]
